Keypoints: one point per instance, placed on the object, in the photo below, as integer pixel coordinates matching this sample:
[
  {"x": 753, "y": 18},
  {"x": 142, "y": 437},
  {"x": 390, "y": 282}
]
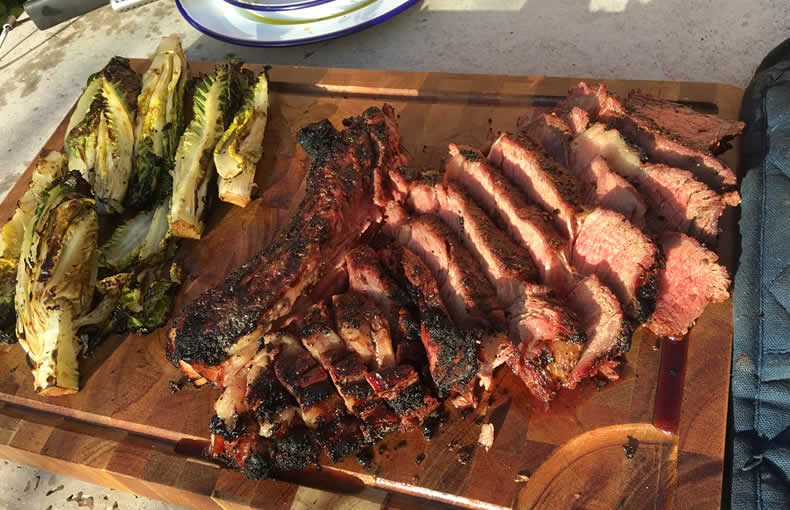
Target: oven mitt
[{"x": 761, "y": 342}]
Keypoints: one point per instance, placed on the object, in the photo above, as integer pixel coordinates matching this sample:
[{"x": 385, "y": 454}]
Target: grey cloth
[{"x": 761, "y": 343}]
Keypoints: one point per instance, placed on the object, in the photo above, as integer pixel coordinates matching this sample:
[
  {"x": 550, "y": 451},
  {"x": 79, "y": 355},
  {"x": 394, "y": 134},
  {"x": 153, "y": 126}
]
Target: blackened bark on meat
[
  {"x": 401, "y": 388},
  {"x": 368, "y": 277},
  {"x": 452, "y": 352},
  {"x": 293, "y": 451},
  {"x": 335, "y": 212},
  {"x": 259, "y": 466},
  {"x": 342, "y": 437}
]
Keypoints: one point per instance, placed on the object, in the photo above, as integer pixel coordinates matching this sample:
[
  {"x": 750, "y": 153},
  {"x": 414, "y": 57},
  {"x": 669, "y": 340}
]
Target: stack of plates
[{"x": 286, "y": 22}]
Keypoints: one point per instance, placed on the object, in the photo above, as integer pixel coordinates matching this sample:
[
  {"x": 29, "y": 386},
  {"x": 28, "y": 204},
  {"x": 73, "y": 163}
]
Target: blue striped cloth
[{"x": 761, "y": 344}]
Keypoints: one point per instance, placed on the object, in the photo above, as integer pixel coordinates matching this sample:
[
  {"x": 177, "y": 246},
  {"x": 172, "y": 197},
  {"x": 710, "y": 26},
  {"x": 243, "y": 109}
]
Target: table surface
[{"x": 42, "y": 73}]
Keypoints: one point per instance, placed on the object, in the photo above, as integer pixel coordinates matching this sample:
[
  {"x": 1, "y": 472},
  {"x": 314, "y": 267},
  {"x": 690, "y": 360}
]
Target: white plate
[
  {"x": 276, "y": 5},
  {"x": 235, "y": 25},
  {"x": 325, "y": 11}
]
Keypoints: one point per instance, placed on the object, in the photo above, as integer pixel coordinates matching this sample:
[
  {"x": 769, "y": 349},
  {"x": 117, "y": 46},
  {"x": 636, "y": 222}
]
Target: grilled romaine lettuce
[
  {"x": 241, "y": 147},
  {"x": 141, "y": 239},
  {"x": 147, "y": 299},
  {"x": 100, "y": 136},
  {"x": 56, "y": 278},
  {"x": 194, "y": 166},
  {"x": 81, "y": 132},
  {"x": 8, "y": 270},
  {"x": 48, "y": 168},
  {"x": 160, "y": 121}
]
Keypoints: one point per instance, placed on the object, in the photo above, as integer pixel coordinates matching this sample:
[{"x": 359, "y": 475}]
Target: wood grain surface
[{"x": 125, "y": 429}]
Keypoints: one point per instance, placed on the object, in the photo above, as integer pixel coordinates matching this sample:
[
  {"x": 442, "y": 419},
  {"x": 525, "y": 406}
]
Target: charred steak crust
[
  {"x": 458, "y": 356},
  {"x": 254, "y": 295},
  {"x": 259, "y": 466},
  {"x": 294, "y": 451},
  {"x": 646, "y": 292}
]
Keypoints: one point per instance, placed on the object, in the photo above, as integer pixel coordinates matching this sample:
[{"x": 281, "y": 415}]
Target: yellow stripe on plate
[{"x": 273, "y": 21}]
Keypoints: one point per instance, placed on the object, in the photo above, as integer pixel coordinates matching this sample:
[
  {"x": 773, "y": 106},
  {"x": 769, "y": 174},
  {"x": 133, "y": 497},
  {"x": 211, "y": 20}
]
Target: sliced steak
[
  {"x": 690, "y": 280},
  {"x": 401, "y": 388},
  {"x": 368, "y": 277},
  {"x": 548, "y": 340},
  {"x": 505, "y": 263},
  {"x": 598, "y": 103},
  {"x": 678, "y": 202},
  {"x": 696, "y": 130},
  {"x": 549, "y": 131},
  {"x": 544, "y": 181},
  {"x": 385, "y": 139},
  {"x": 364, "y": 329},
  {"x": 605, "y": 188},
  {"x": 278, "y": 416},
  {"x": 611, "y": 247},
  {"x": 657, "y": 144},
  {"x": 347, "y": 371},
  {"x": 322, "y": 409},
  {"x": 452, "y": 352},
  {"x": 598, "y": 185},
  {"x": 468, "y": 295},
  {"x": 577, "y": 119},
  {"x": 527, "y": 223},
  {"x": 608, "y": 332},
  {"x": 535, "y": 316},
  {"x": 336, "y": 210}
]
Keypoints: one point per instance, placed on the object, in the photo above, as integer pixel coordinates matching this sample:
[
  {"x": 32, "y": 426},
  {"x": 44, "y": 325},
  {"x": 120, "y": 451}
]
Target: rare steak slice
[
  {"x": 544, "y": 181},
  {"x": 577, "y": 119},
  {"x": 612, "y": 248},
  {"x": 525, "y": 222},
  {"x": 677, "y": 200},
  {"x": 468, "y": 295},
  {"x": 657, "y": 144},
  {"x": 608, "y": 331},
  {"x": 693, "y": 129},
  {"x": 690, "y": 280},
  {"x": 598, "y": 185}
]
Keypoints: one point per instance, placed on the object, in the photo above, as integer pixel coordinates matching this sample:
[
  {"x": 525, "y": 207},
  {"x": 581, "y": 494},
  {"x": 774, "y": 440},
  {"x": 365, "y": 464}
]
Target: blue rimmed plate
[
  {"x": 322, "y": 12},
  {"x": 236, "y": 25},
  {"x": 277, "y": 5}
]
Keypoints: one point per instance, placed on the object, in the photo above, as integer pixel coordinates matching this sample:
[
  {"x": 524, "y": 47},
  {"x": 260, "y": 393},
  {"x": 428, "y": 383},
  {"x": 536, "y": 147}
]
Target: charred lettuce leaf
[
  {"x": 56, "y": 277},
  {"x": 100, "y": 135},
  {"x": 215, "y": 99},
  {"x": 48, "y": 168},
  {"x": 8, "y": 270},
  {"x": 147, "y": 300},
  {"x": 160, "y": 122},
  {"x": 237, "y": 153},
  {"x": 144, "y": 239}
]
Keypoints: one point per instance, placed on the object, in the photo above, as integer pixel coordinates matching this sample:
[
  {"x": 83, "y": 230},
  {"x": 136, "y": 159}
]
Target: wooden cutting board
[{"x": 126, "y": 430}]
